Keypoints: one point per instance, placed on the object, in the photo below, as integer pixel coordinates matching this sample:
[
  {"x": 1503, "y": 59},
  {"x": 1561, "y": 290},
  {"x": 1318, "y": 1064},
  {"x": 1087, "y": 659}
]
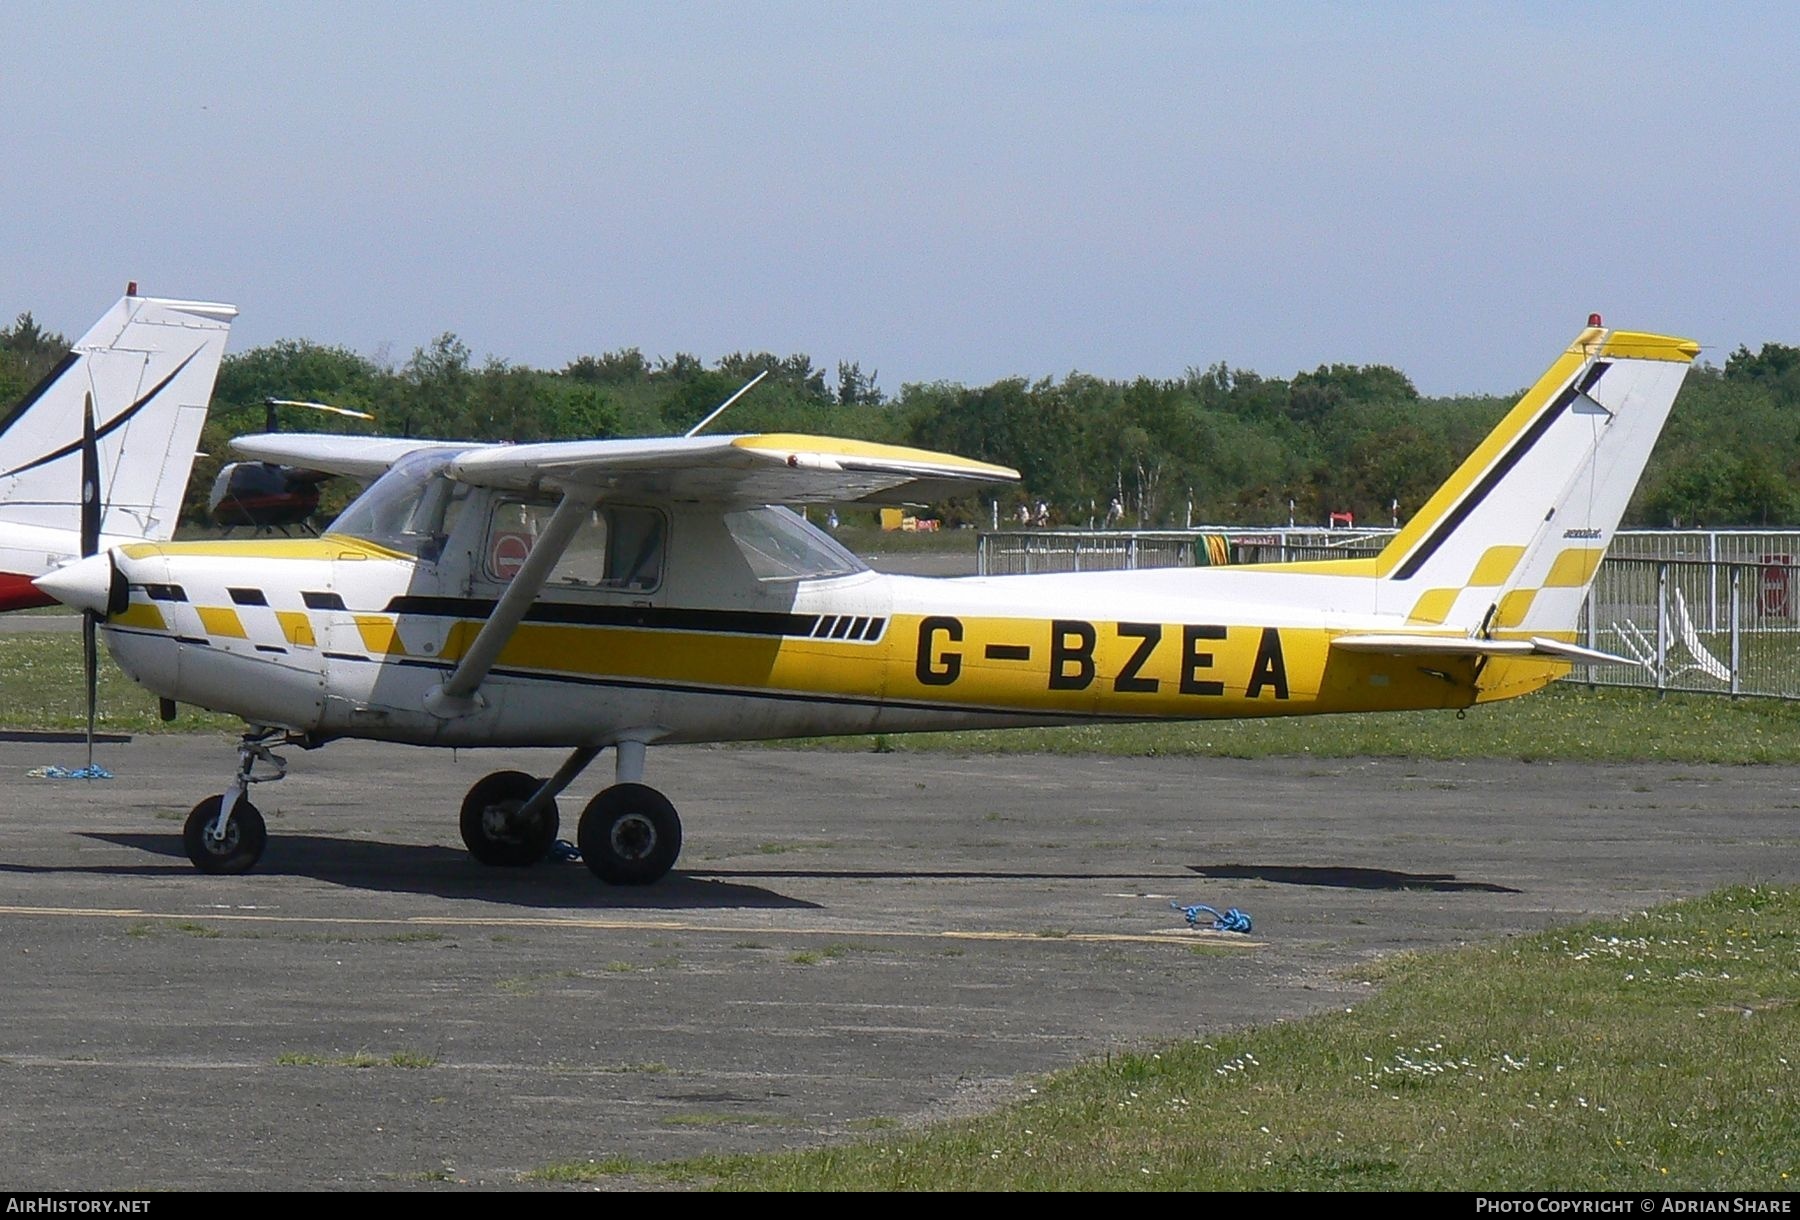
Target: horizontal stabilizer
[{"x": 1397, "y": 645}]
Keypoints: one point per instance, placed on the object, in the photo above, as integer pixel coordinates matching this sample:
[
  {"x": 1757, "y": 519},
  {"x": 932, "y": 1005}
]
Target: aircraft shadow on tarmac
[
  {"x": 933, "y": 874},
  {"x": 447, "y": 873},
  {"x": 1345, "y": 877}
]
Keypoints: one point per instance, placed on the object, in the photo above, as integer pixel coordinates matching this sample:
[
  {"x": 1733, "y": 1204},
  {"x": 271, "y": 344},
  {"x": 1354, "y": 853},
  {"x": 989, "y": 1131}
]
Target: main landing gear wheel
[
  {"x": 630, "y": 835},
  {"x": 238, "y": 850},
  {"x": 492, "y": 828}
]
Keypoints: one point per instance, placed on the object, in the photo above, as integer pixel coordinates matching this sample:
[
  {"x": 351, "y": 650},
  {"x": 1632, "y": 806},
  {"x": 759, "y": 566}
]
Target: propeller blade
[{"x": 90, "y": 482}]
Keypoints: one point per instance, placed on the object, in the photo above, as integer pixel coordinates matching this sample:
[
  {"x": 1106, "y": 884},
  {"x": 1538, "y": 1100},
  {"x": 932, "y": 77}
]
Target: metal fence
[
  {"x": 1708, "y": 611},
  {"x": 1695, "y": 625},
  {"x": 1019, "y": 552}
]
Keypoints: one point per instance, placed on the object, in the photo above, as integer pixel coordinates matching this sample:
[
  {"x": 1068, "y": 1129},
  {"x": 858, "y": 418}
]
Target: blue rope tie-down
[
  {"x": 1233, "y": 920},
  {"x": 95, "y": 771}
]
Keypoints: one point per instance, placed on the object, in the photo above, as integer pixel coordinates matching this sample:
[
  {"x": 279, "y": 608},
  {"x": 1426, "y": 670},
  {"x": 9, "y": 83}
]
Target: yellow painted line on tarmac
[{"x": 1173, "y": 937}]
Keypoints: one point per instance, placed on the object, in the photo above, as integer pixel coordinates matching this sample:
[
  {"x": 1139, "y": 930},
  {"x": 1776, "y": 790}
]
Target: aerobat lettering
[{"x": 1154, "y": 657}]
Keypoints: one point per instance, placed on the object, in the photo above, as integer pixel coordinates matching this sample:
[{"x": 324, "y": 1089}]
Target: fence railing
[
  {"x": 1694, "y": 625},
  {"x": 1714, "y": 612},
  {"x": 1019, "y": 552}
]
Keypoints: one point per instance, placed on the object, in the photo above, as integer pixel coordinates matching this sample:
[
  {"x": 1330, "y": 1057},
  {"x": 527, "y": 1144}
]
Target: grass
[
  {"x": 1566, "y": 722},
  {"x": 42, "y": 687},
  {"x": 593, "y": 1170},
  {"x": 1656, "y": 1052},
  {"x": 360, "y": 1059}
]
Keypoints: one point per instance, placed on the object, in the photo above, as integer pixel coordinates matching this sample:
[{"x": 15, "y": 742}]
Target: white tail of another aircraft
[{"x": 148, "y": 368}]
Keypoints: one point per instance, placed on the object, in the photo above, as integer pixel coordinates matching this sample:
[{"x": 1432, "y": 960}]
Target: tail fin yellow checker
[{"x": 622, "y": 593}]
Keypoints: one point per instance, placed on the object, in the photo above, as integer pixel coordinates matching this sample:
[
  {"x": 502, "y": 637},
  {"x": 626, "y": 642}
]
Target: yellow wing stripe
[{"x": 837, "y": 447}]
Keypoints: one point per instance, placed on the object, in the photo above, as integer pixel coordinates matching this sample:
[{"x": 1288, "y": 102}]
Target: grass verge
[
  {"x": 1656, "y": 1052},
  {"x": 1566, "y": 722}
]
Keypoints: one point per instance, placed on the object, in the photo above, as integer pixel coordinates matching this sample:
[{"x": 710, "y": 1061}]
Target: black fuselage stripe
[
  {"x": 1469, "y": 503},
  {"x": 653, "y": 618}
]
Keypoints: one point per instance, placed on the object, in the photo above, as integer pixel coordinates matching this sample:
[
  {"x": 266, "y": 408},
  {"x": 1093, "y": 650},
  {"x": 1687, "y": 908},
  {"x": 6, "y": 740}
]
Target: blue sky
[{"x": 956, "y": 191}]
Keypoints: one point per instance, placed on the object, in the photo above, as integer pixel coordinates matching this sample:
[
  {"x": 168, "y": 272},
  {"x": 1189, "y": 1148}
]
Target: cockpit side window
[
  {"x": 617, "y": 547},
  {"x": 779, "y": 545}
]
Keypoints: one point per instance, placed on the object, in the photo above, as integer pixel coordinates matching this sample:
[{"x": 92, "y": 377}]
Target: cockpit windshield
[
  {"x": 410, "y": 509},
  {"x": 779, "y": 545}
]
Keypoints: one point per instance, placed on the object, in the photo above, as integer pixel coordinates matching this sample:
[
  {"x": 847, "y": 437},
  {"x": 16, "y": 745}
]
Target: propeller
[{"x": 90, "y": 545}]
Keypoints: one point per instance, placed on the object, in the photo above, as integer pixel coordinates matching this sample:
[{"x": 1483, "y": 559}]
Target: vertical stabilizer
[
  {"x": 1509, "y": 545},
  {"x": 148, "y": 366}
]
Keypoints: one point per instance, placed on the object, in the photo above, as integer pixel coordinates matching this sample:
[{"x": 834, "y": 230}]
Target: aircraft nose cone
[{"x": 86, "y": 584}]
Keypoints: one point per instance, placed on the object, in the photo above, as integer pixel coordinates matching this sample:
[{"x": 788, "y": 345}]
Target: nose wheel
[
  {"x": 235, "y": 848},
  {"x": 630, "y": 835},
  {"x": 218, "y": 841}
]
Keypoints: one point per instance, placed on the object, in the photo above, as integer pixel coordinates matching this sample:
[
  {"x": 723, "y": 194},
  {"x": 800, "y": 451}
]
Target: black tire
[
  {"x": 492, "y": 831},
  {"x": 630, "y": 835},
  {"x": 245, "y": 837}
]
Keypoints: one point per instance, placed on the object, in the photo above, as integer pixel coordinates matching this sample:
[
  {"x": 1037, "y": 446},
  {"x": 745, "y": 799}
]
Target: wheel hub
[
  {"x": 633, "y": 836},
  {"x": 502, "y": 822},
  {"x": 221, "y": 844}
]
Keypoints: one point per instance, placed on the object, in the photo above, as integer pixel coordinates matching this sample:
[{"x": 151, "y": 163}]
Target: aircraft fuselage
[{"x": 336, "y": 637}]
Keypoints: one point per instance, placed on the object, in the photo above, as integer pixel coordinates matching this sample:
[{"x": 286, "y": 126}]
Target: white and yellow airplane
[
  {"x": 139, "y": 380},
  {"x": 624, "y": 593}
]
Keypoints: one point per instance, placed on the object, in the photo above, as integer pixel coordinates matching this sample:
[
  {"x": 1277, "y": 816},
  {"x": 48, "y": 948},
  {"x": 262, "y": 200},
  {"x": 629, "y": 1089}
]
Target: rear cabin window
[{"x": 617, "y": 547}]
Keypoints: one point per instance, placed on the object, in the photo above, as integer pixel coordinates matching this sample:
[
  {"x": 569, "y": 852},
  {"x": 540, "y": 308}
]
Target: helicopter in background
[{"x": 267, "y": 496}]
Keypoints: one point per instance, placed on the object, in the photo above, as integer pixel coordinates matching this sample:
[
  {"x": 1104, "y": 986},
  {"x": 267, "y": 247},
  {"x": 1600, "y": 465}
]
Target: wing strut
[{"x": 457, "y": 696}]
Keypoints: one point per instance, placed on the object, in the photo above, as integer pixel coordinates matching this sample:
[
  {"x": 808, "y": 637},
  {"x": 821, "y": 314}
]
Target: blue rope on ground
[
  {"x": 96, "y": 771},
  {"x": 1233, "y": 920},
  {"x": 565, "y": 851}
]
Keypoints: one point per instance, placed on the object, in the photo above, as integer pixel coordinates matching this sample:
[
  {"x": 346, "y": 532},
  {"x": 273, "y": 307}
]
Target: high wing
[
  {"x": 771, "y": 468},
  {"x": 1398, "y": 645},
  {"x": 358, "y": 457}
]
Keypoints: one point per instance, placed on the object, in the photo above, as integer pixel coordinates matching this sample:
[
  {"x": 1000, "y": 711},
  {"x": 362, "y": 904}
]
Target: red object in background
[
  {"x": 1343, "y": 519},
  {"x": 1777, "y": 599},
  {"x": 18, "y": 593}
]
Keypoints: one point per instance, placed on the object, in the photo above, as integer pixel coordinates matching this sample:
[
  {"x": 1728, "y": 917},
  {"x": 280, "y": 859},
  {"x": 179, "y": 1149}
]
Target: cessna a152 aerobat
[
  {"x": 139, "y": 380},
  {"x": 627, "y": 593}
]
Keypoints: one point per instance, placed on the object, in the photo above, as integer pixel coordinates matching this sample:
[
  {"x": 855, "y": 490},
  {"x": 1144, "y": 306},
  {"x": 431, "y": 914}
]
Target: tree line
[{"x": 1218, "y": 445}]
